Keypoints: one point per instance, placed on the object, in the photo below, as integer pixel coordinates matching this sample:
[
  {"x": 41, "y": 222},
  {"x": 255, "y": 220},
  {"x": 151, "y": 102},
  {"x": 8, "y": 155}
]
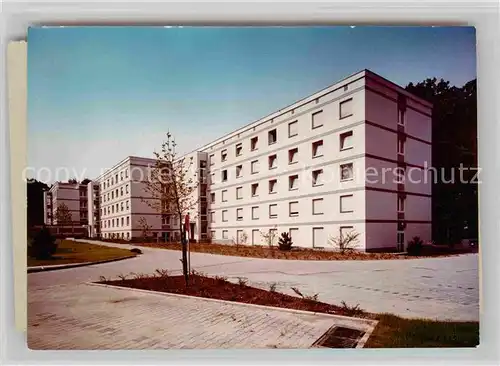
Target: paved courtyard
[{"x": 445, "y": 288}]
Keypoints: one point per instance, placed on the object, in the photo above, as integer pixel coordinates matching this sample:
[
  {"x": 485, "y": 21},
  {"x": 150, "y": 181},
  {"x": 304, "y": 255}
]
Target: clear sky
[{"x": 99, "y": 94}]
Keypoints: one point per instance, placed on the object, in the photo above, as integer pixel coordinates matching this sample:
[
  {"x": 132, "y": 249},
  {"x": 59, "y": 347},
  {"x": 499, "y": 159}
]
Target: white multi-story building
[
  {"x": 73, "y": 195},
  {"x": 349, "y": 158}
]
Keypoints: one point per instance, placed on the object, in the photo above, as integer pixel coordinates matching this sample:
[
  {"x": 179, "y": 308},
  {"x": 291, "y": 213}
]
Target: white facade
[{"x": 74, "y": 196}]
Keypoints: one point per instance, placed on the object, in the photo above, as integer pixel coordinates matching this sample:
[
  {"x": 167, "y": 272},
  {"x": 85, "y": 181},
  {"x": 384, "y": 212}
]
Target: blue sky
[{"x": 99, "y": 94}]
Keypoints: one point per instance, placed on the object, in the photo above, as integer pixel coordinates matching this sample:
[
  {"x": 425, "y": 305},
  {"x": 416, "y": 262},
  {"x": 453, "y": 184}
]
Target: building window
[
  {"x": 121, "y": 206},
  {"x": 345, "y": 230},
  {"x": 127, "y": 204},
  {"x": 255, "y": 236},
  {"x": 239, "y": 171},
  {"x": 401, "y": 240},
  {"x": 346, "y": 203},
  {"x": 255, "y": 189},
  {"x": 126, "y": 173},
  {"x": 346, "y": 172},
  {"x": 121, "y": 176},
  {"x": 212, "y": 178},
  {"x": 116, "y": 195},
  {"x": 273, "y": 211},
  {"x": 294, "y": 233},
  {"x": 400, "y": 175},
  {"x": 224, "y": 215},
  {"x": 272, "y": 137},
  {"x": 346, "y": 140},
  {"x": 212, "y": 217},
  {"x": 273, "y": 161},
  {"x": 317, "y": 206},
  {"x": 255, "y": 213},
  {"x": 317, "y": 148},
  {"x": 239, "y": 193},
  {"x": 293, "y": 182},
  {"x": 211, "y": 159},
  {"x": 319, "y": 238},
  {"x": 401, "y": 117},
  {"x": 122, "y": 220},
  {"x": 112, "y": 195},
  {"x": 224, "y": 175},
  {"x": 239, "y": 149},
  {"x": 293, "y": 208},
  {"x": 293, "y": 155},
  {"x": 224, "y": 195},
  {"x": 317, "y": 177},
  {"x": 401, "y": 146},
  {"x": 212, "y": 234},
  {"x": 126, "y": 188},
  {"x": 116, "y": 180},
  {"x": 112, "y": 208},
  {"x": 401, "y": 204},
  {"x": 317, "y": 119},
  {"x": 253, "y": 143},
  {"x": 254, "y": 166},
  {"x": 212, "y": 197},
  {"x": 293, "y": 129},
  {"x": 345, "y": 108},
  {"x": 121, "y": 191},
  {"x": 239, "y": 214},
  {"x": 128, "y": 220},
  {"x": 225, "y": 234},
  {"x": 273, "y": 183},
  {"x": 223, "y": 155}
]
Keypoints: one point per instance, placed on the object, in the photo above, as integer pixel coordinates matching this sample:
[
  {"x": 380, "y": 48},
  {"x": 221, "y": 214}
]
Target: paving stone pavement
[
  {"x": 89, "y": 317},
  {"x": 445, "y": 288}
]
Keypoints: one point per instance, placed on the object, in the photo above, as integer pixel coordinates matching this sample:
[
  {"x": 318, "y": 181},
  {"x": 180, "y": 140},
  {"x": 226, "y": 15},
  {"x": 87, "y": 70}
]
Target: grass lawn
[
  {"x": 69, "y": 251},
  {"x": 390, "y": 332},
  {"x": 258, "y": 251}
]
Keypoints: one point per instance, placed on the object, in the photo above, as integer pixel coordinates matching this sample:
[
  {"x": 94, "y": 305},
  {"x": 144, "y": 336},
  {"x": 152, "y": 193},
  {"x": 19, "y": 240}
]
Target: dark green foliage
[
  {"x": 415, "y": 246},
  {"x": 43, "y": 245},
  {"x": 35, "y": 191},
  {"x": 285, "y": 242},
  {"x": 136, "y": 250}
]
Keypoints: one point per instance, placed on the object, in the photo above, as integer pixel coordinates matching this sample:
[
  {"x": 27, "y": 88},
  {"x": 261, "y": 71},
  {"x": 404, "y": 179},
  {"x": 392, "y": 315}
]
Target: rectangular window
[
  {"x": 293, "y": 129},
  {"x": 126, "y": 173},
  {"x": 401, "y": 117},
  {"x": 317, "y": 148},
  {"x": 239, "y": 171},
  {"x": 317, "y": 206},
  {"x": 294, "y": 234},
  {"x": 401, "y": 241},
  {"x": 317, "y": 177},
  {"x": 212, "y": 197},
  {"x": 319, "y": 238},
  {"x": 224, "y": 215},
  {"x": 121, "y": 221},
  {"x": 121, "y": 206},
  {"x": 239, "y": 193},
  {"x": 223, "y": 155},
  {"x": 126, "y": 188},
  {"x": 224, "y": 175},
  {"x": 293, "y": 208},
  {"x": 272, "y": 137},
  {"x": 225, "y": 234},
  {"x": 239, "y": 235},
  {"x": 273, "y": 183},
  {"x": 212, "y": 178},
  {"x": 211, "y": 159},
  {"x": 253, "y": 143},
  {"x": 273, "y": 211},
  {"x": 317, "y": 119},
  {"x": 212, "y": 217},
  {"x": 346, "y": 140},
  {"x": 127, "y": 205},
  {"x": 401, "y": 145},
  {"x": 239, "y": 214},
  {"x": 346, "y": 172},
  {"x": 255, "y": 213},
  {"x": 401, "y": 204},
  {"x": 400, "y": 175},
  {"x": 254, "y": 166},
  {"x": 345, "y": 108},
  {"x": 293, "y": 155},
  {"x": 121, "y": 191},
  {"x": 255, "y": 189},
  {"x": 121, "y": 176},
  {"x": 113, "y": 209},
  {"x": 273, "y": 161},
  {"x": 293, "y": 182},
  {"x": 212, "y": 234},
  {"x": 128, "y": 220},
  {"x": 116, "y": 181},
  {"x": 224, "y": 195},
  {"x": 344, "y": 230},
  {"x": 346, "y": 203},
  {"x": 255, "y": 237},
  {"x": 239, "y": 149}
]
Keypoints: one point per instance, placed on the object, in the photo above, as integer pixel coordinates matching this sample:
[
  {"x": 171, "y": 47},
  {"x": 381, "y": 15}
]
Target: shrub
[
  {"x": 415, "y": 246},
  {"x": 285, "y": 242},
  {"x": 136, "y": 250},
  {"x": 345, "y": 242},
  {"x": 43, "y": 245}
]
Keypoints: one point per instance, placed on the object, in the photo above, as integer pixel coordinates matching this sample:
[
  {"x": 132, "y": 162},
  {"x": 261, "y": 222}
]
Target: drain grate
[{"x": 340, "y": 337}]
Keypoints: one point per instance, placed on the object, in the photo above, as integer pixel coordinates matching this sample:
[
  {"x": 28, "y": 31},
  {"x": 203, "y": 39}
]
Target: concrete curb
[
  {"x": 73, "y": 265},
  {"x": 369, "y": 324}
]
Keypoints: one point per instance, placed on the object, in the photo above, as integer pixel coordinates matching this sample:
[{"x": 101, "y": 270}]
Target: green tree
[
  {"x": 35, "y": 202},
  {"x": 43, "y": 245},
  {"x": 63, "y": 215}
]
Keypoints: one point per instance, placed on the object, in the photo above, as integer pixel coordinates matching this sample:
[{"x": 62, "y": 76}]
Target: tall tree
[
  {"x": 86, "y": 181},
  {"x": 454, "y": 143},
  {"x": 171, "y": 186},
  {"x": 35, "y": 202},
  {"x": 63, "y": 215}
]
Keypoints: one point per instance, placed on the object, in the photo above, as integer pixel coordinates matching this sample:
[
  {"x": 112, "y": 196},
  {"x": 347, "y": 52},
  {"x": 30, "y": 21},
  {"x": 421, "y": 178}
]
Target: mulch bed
[
  {"x": 295, "y": 253},
  {"x": 220, "y": 288}
]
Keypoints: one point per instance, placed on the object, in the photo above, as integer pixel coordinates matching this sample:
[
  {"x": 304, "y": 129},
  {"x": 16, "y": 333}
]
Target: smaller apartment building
[{"x": 73, "y": 195}]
